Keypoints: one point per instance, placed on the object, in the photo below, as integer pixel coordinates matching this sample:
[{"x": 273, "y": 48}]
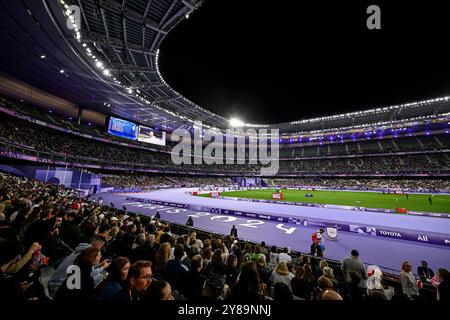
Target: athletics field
[{"x": 416, "y": 202}]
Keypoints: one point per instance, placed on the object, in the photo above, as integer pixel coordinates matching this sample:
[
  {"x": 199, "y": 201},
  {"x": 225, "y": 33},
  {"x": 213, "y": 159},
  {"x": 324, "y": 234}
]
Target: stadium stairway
[{"x": 174, "y": 181}]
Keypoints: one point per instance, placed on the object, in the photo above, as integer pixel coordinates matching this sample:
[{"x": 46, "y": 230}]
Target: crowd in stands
[
  {"x": 141, "y": 181},
  {"x": 45, "y": 229},
  {"x": 134, "y": 180},
  {"x": 405, "y": 144},
  {"x": 203, "y": 182},
  {"x": 421, "y": 185},
  {"x": 24, "y": 137}
]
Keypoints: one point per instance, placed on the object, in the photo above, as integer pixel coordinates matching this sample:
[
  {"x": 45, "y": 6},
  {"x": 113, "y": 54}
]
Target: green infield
[{"x": 414, "y": 202}]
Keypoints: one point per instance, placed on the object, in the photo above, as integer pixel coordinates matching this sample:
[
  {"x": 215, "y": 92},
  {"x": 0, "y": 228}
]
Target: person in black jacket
[
  {"x": 194, "y": 281},
  {"x": 233, "y": 232},
  {"x": 424, "y": 272},
  {"x": 190, "y": 222},
  {"x": 444, "y": 286}
]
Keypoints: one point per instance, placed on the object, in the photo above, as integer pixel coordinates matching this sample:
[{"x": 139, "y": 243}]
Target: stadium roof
[{"x": 110, "y": 57}]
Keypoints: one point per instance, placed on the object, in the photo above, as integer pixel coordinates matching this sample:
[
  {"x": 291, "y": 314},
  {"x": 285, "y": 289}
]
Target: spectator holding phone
[{"x": 80, "y": 285}]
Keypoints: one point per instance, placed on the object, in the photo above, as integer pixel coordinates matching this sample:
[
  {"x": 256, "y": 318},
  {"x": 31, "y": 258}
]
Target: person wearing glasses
[
  {"x": 408, "y": 281},
  {"x": 139, "y": 278}
]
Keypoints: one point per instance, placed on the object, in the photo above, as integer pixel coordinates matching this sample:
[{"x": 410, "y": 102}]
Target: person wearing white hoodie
[{"x": 60, "y": 273}]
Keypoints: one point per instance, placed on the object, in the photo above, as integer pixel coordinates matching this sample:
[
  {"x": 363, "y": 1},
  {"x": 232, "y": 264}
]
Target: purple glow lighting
[
  {"x": 428, "y": 133},
  {"x": 446, "y": 131},
  {"x": 70, "y": 118},
  {"x": 50, "y": 111}
]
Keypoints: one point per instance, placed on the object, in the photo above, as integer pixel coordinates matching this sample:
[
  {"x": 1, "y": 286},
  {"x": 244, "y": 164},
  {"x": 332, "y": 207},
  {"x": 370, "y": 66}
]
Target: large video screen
[
  {"x": 122, "y": 128},
  {"x": 150, "y": 135}
]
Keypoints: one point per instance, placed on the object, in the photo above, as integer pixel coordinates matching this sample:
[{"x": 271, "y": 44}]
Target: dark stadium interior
[{"x": 96, "y": 95}]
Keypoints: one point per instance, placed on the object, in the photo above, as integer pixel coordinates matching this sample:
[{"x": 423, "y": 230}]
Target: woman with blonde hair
[
  {"x": 281, "y": 274},
  {"x": 328, "y": 272},
  {"x": 409, "y": 282},
  {"x": 322, "y": 264}
]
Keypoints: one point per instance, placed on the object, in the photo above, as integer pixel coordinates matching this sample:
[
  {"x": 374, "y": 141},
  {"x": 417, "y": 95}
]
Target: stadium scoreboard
[{"x": 130, "y": 130}]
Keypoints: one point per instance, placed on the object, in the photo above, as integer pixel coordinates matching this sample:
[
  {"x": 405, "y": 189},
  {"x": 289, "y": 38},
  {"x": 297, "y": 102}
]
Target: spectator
[
  {"x": 190, "y": 222},
  {"x": 284, "y": 256},
  {"x": 264, "y": 250},
  {"x": 158, "y": 290},
  {"x": 444, "y": 286},
  {"x": 425, "y": 273},
  {"x": 298, "y": 284},
  {"x": 86, "y": 261},
  {"x": 281, "y": 274},
  {"x": 139, "y": 278},
  {"x": 232, "y": 270},
  {"x": 326, "y": 291},
  {"x": 331, "y": 295},
  {"x": 441, "y": 276},
  {"x": 352, "y": 263},
  {"x": 273, "y": 261},
  {"x": 264, "y": 273},
  {"x": 60, "y": 274},
  {"x": 215, "y": 287},
  {"x": 10, "y": 287},
  {"x": 233, "y": 232},
  {"x": 310, "y": 281},
  {"x": 248, "y": 287},
  {"x": 282, "y": 292},
  {"x": 352, "y": 289},
  {"x": 117, "y": 275},
  {"x": 375, "y": 289},
  {"x": 328, "y": 272},
  {"x": 175, "y": 271},
  {"x": 322, "y": 264},
  {"x": 194, "y": 281},
  {"x": 409, "y": 283},
  {"x": 161, "y": 259}
]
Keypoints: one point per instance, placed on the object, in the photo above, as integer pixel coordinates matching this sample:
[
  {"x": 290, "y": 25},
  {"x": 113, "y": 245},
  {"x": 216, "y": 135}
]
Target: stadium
[{"x": 345, "y": 206}]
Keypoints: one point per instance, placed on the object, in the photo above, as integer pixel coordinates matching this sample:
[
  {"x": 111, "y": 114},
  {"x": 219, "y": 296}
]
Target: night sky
[{"x": 278, "y": 61}]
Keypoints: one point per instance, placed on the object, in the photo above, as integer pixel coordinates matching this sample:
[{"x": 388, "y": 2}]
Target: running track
[{"x": 389, "y": 253}]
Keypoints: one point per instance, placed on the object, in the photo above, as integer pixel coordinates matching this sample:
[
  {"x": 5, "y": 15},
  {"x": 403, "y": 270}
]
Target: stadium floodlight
[
  {"x": 61, "y": 71},
  {"x": 235, "y": 123},
  {"x": 99, "y": 64},
  {"x": 130, "y": 91},
  {"x": 106, "y": 72}
]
